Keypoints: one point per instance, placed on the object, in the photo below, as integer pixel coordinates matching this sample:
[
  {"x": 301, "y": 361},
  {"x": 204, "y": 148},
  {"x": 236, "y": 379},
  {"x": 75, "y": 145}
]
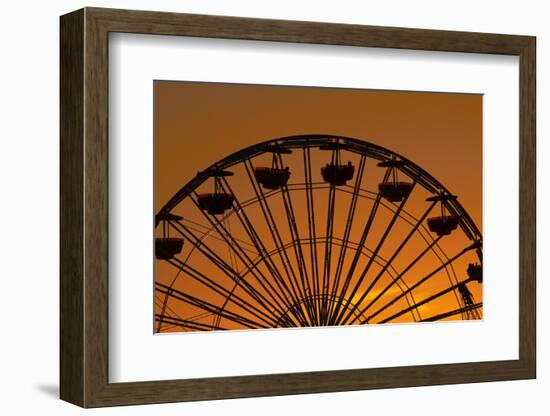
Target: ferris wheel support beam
[
  {"x": 400, "y": 275},
  {"x": 243, "y": 256},
  {"x": 311, "y": 229},
  {"x": 276, "y": 236},
  {"x": 374, "y": 254},
  {"x": 394, "y": 255},
  {"x": 205, "y": 233},
  {"x": 220, "y": 290},
  {"x": 289, "y": 209},
  {"x": 163, "y": 305},
  {"x": 425, "y": 279},
  {"x": 347, "y": 230},
  {"x": 366, "y": 230},
  {"x": 221, "y": 264},
  {"x": 464, "y": 309},
  {"x": 425, "y": 301},
  {"x": 328, "y": 248},
  {"x": 184, "y": 323},
  {"x": 285, "y": 293},
  {"x": 207, "y": 306}
]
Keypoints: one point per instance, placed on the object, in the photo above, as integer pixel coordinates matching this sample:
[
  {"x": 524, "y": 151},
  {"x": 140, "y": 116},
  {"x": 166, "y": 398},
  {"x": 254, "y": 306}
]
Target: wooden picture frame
[{"x": 84, "y": 207}]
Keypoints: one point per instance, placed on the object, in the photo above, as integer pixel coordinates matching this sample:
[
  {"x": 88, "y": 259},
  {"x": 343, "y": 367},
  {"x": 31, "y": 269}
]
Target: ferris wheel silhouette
[{"x": 314, "y": 230}]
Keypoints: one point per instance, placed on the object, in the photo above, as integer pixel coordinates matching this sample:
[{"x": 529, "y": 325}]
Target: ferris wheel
[{"x": 314, "y": 230}]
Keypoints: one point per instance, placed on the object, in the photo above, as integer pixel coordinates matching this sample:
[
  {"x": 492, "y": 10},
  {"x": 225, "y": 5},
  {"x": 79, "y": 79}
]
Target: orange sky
[{"x": 200, "y": 123}]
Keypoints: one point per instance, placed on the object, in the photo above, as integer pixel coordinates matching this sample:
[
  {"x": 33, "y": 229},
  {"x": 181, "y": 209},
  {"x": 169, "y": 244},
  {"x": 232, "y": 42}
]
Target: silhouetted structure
[
  {"x": 445, "y": 223},
  {"x": 277, "y": 175},
  {"x": 469, "y": 308},
  {"x": 276, "y": 259},
  {"x": 219, "y": 201},
  {"x": 167, "y": 247},
  {"x": 336, "y": 173},
  {"x": 475, "y": 272},
  {"x": 394, "y": 190}
]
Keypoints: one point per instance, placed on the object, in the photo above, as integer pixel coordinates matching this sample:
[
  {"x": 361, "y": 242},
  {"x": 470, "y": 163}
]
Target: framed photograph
[{"x": 254, "y": 207}]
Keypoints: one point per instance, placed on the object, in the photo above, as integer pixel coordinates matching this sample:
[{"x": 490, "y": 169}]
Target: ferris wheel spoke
[
  {"x": 243, "y": 257},
  {"x": 211, "y": 255},
  {"x": 163, "y": 306},
  {"x": 209, "y": 307},
  {"x": 425, "y": 301},
  {"x": 305, "y": 287},
  {"x": 374, "y": 254},
  {"x": 347, "y": 230},
  {"x": 222, "y": 291},
  {"x": 328, "y": 244},
  {"x": 284, "y": 293},
  {"x": 442, "y": 257},
  {"x": 400, "y": 276},
  {"x": 454, "y": 312},
  {"x": 297, "y": 289},
  {"x": 338, "y": 308},
  {"x": 295, "y": 235},
  {"x": 409, "y": 298},
  {"x": 165, "y": 301},
  {"x": 424, "y": 280},
  {"x": 328, "y": 253},
  {"x": 206, "y": 232},
  {"x": 222, "y": 265},
  {"x": 184, "y": 323},
  {"x": 171, "y": 312},
  {"x": 393, "y": 256},
  {"x": 311, "y": 231},
  {"x": 297, "y": 248},
  {"x": 264, "y": 320}
]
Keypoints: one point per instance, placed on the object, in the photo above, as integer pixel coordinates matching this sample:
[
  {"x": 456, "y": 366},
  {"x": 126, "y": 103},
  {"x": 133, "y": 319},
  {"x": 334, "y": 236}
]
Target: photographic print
[{"x": 292, "y": 206}]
